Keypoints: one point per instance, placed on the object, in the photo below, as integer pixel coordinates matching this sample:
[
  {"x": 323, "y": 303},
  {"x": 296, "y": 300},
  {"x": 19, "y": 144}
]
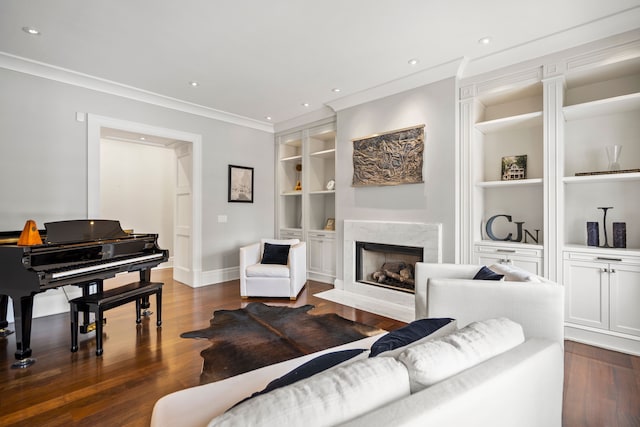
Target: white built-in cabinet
[
  {"x": 305, "y": 164},
  {"x": 604, "y": 290},
  {"x": 560, "y": 112}
]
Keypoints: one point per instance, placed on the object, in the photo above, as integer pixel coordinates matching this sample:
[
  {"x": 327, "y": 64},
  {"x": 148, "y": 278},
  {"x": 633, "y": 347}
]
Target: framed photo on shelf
[
  {"x": 514, "y": 167},
  {"x": 240, "y": 184},
  {"x": 330, "y": 225}
]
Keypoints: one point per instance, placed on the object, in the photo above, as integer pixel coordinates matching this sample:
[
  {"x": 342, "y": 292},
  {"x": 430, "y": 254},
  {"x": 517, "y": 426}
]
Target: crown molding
[
  {"x": 63, "y": 75},
  {"x": 619, "y": 26},
  {"x": 412, "y": 81}
]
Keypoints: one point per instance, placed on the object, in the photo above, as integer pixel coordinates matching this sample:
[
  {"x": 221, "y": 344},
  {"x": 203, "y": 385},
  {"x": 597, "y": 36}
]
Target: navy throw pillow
[
  {"x": 414, "y": 331},
  {"x": 486, "y": 273},
  {"x": 306, "y": 370},
  {"x": 275, "y": 254}
]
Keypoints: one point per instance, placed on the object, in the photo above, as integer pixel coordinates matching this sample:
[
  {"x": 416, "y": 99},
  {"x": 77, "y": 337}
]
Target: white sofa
[{"x": 522, "y": 386}]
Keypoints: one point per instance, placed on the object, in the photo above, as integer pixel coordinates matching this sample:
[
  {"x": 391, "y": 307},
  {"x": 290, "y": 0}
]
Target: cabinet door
[
  {"x": 625, "y": 297},
  {"x": 486, "y": 259},
  {"x": 586, "y": 293},
  {"x": 315, "y": 253},
  {"x": 533, "y": 265},
  {"x": 329, "y": 257}
]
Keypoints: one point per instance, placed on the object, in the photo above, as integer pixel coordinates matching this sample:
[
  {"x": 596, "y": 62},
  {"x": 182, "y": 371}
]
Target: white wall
[
  {"x": 434, "y": 200},
  {"x": 43, "y": 151},
  {"x": 137, "y": 187}
]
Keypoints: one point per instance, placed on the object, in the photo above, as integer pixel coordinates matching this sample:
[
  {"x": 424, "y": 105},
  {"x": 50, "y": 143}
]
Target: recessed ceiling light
[
  {"x": 268, "y": 117},
  {"x": 485, "y": 40},
  {"x": 306, "y": 104},
  {"x": 194, "y": 84},
  {"x": 335, "y": 89},
  {"x": 413, "y": 61},
  {"x": 142, "y": 138},
  {"x": 32, "y": 31}
]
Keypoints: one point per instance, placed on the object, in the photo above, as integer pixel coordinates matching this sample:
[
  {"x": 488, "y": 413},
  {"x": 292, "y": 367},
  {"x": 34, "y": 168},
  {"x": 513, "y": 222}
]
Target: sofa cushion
[
  {"x": 275, "y": 254},
  {"x": 267, "y": 270},
  {"x": 395, "y": 342},
  {"x": 312, "y": 367},
  {"x": 328, "y": 398},
  {"x": 515, "y": 274},
  {"x": 486, "y": 273},
  {"x": 438, "y": 359}
]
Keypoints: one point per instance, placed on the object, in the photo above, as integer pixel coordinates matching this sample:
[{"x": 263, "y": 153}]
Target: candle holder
[{"x": 604, "y": 225}]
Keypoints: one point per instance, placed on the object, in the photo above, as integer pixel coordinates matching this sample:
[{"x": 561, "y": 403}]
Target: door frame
[{"x": 95, "y": 123}]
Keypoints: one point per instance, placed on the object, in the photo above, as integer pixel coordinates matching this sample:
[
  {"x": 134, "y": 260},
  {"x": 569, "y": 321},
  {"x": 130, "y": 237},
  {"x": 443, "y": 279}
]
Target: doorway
[{"x": 187, "y": 222}]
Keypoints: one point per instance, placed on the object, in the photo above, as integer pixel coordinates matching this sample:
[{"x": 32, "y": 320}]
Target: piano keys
[{"x": 78, "y": 252}]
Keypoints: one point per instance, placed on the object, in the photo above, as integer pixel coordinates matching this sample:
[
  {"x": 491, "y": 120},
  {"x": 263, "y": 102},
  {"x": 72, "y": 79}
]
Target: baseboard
[
  {"x": 212, "y": 277},
  {"x": 604, "y": 339},
  {"x": 319, "y": 277}
]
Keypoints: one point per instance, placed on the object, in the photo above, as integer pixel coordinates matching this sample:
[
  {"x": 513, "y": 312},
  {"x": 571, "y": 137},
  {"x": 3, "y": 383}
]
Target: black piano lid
[{"x": 83, "y": 230}]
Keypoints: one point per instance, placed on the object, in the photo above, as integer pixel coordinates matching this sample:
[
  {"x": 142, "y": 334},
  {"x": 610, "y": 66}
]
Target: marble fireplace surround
[{"x": 418, "y": 234}]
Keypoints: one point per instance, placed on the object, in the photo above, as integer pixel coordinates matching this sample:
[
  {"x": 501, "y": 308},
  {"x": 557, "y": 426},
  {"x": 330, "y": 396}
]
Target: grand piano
[{"x": 77, "y": 252}]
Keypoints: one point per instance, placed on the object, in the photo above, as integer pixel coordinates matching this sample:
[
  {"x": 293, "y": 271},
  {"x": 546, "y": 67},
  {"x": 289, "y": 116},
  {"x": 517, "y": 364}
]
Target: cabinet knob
[
  {"x": 613, "y": 270},
  {"x": 604, "y": 270}
]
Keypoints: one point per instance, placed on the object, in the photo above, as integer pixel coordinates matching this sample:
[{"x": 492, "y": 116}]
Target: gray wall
[
  {"x": 434, "y": 200},
  {"x": 43, "y": 158}
]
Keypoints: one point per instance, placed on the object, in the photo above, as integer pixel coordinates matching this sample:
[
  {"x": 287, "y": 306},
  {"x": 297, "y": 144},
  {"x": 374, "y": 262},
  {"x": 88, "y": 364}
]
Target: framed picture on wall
[{"x": 240, "y": 184}]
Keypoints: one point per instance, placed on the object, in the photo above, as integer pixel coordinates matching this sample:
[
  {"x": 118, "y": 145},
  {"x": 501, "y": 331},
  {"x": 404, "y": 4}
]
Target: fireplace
[
  {"x": 426, "y": 237},
  {"x": 387, "y": 266}
]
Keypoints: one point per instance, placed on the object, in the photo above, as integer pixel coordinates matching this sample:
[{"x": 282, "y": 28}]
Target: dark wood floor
[{"x": 140, "y": 364}]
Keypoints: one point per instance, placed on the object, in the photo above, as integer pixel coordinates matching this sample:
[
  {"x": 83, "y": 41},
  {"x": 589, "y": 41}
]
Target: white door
[{"x": 183, "y": 229}]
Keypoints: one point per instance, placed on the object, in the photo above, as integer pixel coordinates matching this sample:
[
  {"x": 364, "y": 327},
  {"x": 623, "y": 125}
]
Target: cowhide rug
[{"x": 260, "y": 335}]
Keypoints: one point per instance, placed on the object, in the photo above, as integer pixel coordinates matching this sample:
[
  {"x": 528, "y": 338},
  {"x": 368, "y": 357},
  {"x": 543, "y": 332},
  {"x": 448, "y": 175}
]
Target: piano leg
[
  {"x": 23, "y": 314},
  {"x": 145, "y": 276},
  {"x": 4, "y": 306}
]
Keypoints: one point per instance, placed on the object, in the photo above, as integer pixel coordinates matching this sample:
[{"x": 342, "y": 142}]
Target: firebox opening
[{"x": 388, "y": 266}]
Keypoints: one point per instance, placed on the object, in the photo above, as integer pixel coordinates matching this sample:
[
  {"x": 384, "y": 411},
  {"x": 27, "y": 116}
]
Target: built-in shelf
[
  {"x": 511, "y": 183},
  {"x": 323, "y": 231},
  {"x": 322, "y": 192},
  {"x": 324, "y": 154},
  {"x": 508, "y": 244},
  {"x": 291, "y": 193},
  {"x": 612, "y": 252},
  {"x": 613, "y": 177},
  {"x": 291, "y": 158},
  {"x": 614, "y": 105},
  {"x": 520, "y": 121}
]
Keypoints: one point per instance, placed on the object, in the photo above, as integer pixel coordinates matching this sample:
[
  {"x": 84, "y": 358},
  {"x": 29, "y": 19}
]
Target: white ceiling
[{"x": 257, "y": 58}]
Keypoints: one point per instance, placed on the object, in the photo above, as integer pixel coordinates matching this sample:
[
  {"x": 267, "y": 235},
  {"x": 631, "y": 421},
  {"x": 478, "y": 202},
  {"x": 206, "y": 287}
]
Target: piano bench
[{"x": 100, "y": 302}]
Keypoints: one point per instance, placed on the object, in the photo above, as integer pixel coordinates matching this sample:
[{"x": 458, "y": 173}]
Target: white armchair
[{"x": 273, "y": 280}]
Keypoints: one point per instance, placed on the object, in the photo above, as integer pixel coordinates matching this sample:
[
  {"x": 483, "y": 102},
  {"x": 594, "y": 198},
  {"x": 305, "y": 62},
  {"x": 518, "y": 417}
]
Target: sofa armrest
[
  {"x": 424, "y": 271},
  {"x": 537, "y": 307},
  {"x": 522, "y": 387},
  {"x": 298, "y": 267},
  {"x": 249, "y": 255}
]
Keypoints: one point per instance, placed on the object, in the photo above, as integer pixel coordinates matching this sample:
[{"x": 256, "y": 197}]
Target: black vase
[
  {"x": 619, "y": 234},
  {"x": 593, "y": 234}
]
